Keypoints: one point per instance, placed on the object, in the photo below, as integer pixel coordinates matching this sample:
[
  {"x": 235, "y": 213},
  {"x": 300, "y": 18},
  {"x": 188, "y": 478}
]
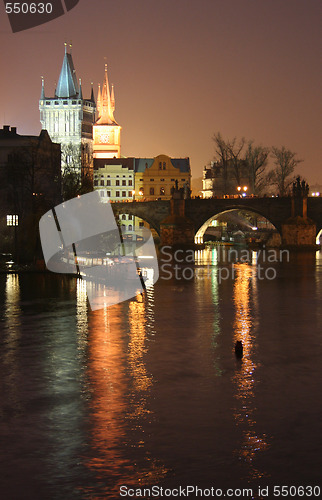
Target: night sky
[{"x": 182, "y": 70}]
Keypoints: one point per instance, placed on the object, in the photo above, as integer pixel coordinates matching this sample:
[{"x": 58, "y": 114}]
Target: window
[
  {"x": 117, "y": 194},
  {"x": 130, "y": 217},
  {"x": 108, "y": 182},
  {"x": 162, "y": 180},
  {"x": 130, "y": 227},
  {"x": 109, "y": 194},
  {"x": 163, "y": 166},
  {"x": 141, "y": 191},
  {"x": 12, "y": 220},
  {"x": 123, "y": 217},
  {"x": 172, "y": 180},
  {"x": 162, "y": 191},
  {"x": 102, "y": 182},
  {"x": 141, "y": 180},
  {"x": 123, "y": 194},
  {"x": 131, "y": 193},
  {"x": 124, "y": 182},
  {"x": 183, "y": 180},
  {"x": 151, "y": 190},
  {"x": 117, "y": 182},
  {"x": 95, "y": 183},
  {"x": 130, "y": 182},
  {"x": 102, "y": 194},
  {"x": 151, "y": 180},
  {"x": 160, "y": 166},
  {"x": 141, "y": 224}
]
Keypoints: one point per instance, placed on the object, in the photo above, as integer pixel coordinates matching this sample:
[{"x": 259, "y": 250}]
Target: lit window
[
  {"x": 12, "y": 220},
  {"x": 162, "y": 191},
  {"x": 124, "y": 182},
  {"x": 123, "y": 194},
  {"x": 151, "y": 190}
]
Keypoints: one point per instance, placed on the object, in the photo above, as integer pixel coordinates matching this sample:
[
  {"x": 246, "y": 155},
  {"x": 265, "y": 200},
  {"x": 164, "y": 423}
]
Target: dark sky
[{"x": 182, "y": 70}]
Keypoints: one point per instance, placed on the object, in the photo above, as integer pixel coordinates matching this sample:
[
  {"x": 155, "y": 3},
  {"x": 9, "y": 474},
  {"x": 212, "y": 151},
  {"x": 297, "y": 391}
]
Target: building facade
[
  {"x": 69, "y": 118},
  {"x": 30, "y": 184},
  {"x": 155, "y": 177}
]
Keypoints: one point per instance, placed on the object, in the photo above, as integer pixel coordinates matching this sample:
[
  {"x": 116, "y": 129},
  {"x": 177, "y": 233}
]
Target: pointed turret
[
  {"x": 112, "y": 99},
  {"x": 67, "y": 83},
  {"x": 92, "y": 99},
  {"x": 104, "y": 104},
  {"x": 80, "y": 92},
  {"x": 42, "y": 95}
]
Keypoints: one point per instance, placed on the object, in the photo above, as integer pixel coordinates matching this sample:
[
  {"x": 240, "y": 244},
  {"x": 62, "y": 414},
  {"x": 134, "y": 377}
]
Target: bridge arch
[{"x": 204, "y": 226}]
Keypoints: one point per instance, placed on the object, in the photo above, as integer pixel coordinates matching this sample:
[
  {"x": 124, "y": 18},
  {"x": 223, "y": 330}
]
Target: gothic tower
[
  {"x": 106, "y": 131},
  {"x": 69, "y": 118}
]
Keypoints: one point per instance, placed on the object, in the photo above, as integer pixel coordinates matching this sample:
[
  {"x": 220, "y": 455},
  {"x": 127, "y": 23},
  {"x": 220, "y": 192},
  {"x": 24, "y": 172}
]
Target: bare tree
[
  {"x": 285, "y": 161},
  {"x": 235, "y": 150},
  {"x": 77, "y": 170},
  {"x": 256, "y": 160},
  {"x": 222, "y": 155}
]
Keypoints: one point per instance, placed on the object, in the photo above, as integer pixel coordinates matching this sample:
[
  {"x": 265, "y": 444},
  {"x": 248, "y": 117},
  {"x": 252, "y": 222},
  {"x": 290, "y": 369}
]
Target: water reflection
[
  {"x": 245, "y": 413},
  {"x": 116, "y": 421}
]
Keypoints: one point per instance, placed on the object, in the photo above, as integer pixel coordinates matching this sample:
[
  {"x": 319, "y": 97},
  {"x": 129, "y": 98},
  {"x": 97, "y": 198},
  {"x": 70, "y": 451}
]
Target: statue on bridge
[
  {"x": 183, "y": 193},
  {"x": 300, "y": 188}
]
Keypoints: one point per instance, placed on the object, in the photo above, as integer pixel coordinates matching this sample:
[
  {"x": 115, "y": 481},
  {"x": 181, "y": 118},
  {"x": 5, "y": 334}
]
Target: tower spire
[
  {"x": 105, "y": 105},
  {"x": 67, "y": 84}
]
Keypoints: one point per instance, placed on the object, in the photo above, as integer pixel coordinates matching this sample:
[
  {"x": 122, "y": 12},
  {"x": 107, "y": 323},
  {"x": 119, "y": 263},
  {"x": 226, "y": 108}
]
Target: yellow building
[{"x": 154, "y": 177}]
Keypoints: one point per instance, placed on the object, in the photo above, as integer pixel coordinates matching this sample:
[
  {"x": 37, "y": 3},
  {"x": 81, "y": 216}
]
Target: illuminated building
[
  {"x": 220, "y": 181},
  {"x": 69, "y": 118},
  {"x": 155, "y": 177}
]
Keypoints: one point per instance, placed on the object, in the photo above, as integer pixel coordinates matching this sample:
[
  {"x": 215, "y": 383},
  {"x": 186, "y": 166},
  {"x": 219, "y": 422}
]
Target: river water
[{"x": 149, "y": 391}]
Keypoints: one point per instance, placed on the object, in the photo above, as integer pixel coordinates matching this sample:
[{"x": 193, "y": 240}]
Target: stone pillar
[{"x": 177, "y": 230}]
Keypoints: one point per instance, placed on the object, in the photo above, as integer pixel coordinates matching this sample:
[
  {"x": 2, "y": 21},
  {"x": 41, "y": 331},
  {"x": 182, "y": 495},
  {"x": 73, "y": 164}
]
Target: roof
[
  {"x": 141, "y": 164},
  {"x": 125, "y": 162},
  {"x": 67, "y": 84},
  {"x": 183, "y": 164}
]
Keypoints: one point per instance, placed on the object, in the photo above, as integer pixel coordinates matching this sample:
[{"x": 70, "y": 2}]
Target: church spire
[
  {"x": 67, "y": 84},
  {"x": 105, "y": 106}
]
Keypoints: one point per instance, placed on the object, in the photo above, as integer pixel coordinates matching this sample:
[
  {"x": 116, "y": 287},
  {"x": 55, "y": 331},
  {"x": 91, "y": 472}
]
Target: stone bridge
[{"x": 200, "y": 211}]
